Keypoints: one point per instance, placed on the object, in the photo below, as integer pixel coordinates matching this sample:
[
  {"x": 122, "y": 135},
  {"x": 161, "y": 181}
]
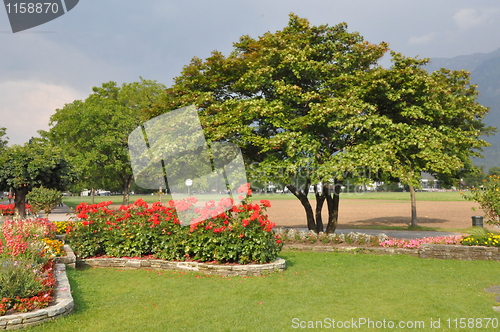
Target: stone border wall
[
  {"x": 63, "y": 305},
  {"x": 427, "y": 250},
  {"x": 278, "y": 264},
  {"x": 446, "y": 251},
  {"x": 353, "y": 249}
]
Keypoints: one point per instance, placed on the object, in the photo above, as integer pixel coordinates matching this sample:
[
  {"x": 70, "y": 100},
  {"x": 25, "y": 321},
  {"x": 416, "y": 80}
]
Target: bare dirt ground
[{"x": 359, "y": 213}]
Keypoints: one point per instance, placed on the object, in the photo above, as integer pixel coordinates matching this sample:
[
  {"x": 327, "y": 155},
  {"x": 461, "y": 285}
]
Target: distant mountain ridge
[
  {"x": 485, "y": 72},
  {"x": 469, "y": 62}
]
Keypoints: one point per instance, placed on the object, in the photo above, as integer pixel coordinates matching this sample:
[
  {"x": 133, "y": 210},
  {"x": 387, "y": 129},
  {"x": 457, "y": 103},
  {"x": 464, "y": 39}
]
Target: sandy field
[{"x": 361, "y": 212}]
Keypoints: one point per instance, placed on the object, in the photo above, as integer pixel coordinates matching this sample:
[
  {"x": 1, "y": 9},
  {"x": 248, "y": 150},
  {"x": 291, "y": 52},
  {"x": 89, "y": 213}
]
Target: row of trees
[
  {"x": 86, "y": 146},
  {"x": 308, "y": 105}
]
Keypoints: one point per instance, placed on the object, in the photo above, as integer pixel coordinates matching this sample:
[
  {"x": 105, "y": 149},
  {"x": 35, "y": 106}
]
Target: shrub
[
  {"x": 218, "y": 232},
  {"x": 44, "y": 199},
  {"x": 488, "y": 197}
]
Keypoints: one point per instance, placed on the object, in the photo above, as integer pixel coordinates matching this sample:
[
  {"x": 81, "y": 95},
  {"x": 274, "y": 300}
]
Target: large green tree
[
  {"x": 34, "y": 164},
  {"x": 309, "y": 106},
  {"x": 267, "y": 98},
  {"x": 431, "y": 122},
  {"x": 94, "y": 132}
]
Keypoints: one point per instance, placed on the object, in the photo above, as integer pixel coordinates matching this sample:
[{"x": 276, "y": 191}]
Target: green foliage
[
  {"x": 34, "y": 164},
  {"x": 3, "y": 142},
  {"x": 481, "y": 237},
  {"x": 94, "y": 132},
  {"x": 488, "y": 197},
  {"x": 474, "y": 178},
  {"x": 308, "y": 105},
  {"x": 20, "y": 277},
  {"x": 242, "y": 234},
  {"x": 435, "y": 121},
  {"x": 494, "y": 171},
  {"x": 44, "y": 199}
]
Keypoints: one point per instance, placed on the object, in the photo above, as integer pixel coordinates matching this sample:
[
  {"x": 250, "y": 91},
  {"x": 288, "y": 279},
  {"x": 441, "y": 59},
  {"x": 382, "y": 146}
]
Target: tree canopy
[
  {"x": 309, "y": 105},
  {"x": 34, "y": 164},
  {"x": 94, "y": 132}
]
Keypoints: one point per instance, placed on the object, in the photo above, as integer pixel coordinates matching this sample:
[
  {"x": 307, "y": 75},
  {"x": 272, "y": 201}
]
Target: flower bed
[
  {"x": 26, "y": 264},
  {"x": 482, "y": 239},
  {"x": 62, "y": 304},
  {"x": 9, "y": 209},
  {"x": 217, "y": 232},
  {"x": 479, "y": 246},
  {"x": 416, "y": 243}
]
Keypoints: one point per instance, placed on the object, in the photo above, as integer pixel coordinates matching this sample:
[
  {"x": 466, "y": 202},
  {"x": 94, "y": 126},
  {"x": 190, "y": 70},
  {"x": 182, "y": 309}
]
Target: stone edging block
[
  {"x": 63, "y": 304},
  {"x": 278, "y": 264},
  {"x": 461, "y": 252}
]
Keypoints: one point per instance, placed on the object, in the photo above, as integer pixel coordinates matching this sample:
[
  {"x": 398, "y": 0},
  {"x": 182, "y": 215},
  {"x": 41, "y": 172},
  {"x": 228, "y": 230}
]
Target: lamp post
[{"x": 189, "y": 183}]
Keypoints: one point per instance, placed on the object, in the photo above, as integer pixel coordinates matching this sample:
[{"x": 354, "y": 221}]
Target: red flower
[{"x": 265, "y": 203}]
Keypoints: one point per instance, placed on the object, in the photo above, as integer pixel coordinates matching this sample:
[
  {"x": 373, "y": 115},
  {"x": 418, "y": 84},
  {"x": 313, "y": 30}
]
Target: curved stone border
[
  {"x": 69, "y": 259},
  {"x": 63, "y": 305},
  {"x": 278, "y": 264}
]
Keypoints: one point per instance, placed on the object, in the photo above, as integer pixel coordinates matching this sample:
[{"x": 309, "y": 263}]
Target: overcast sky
[{"x": 43, "y": 68}]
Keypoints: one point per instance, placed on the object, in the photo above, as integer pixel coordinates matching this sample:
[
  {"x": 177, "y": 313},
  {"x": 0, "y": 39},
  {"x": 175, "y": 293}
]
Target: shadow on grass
[
  {"x": 398, "y": 220},
  {"x": 76, "y": 291},
  {"x": 289, "y": 260},
  {"x": 386, "y": 223}
]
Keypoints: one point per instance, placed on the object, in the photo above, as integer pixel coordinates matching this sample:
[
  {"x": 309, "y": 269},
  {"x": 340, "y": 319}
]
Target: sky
[{"x": 48, "y": 66}]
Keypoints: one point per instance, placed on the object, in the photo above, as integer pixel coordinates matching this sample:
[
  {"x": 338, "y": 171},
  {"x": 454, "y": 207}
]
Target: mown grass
[
  {"x": 315, "y": 286},
  {"x": 73, "y": 201}
]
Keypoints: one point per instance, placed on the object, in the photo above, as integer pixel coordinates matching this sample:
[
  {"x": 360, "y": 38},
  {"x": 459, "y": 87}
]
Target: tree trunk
[
  {"x": 126, "y": 189},
  {"x": 20, "y": 201},
  {"x": 92, "y": 194},
  {"x": 413, "y": 207},
  {"x": 333, "y": 206},
  {"x": 320, "y": 200},
  {"x": 311, "y": 225}
]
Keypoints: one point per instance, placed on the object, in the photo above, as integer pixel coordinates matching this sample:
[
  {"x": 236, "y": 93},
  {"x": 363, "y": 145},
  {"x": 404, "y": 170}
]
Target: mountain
[{"x": 485, "y": 72}]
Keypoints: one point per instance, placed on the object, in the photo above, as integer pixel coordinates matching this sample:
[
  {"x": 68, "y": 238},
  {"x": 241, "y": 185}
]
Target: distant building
[
  {"x": 429, "y": 183},
  {"x": 98, "y": 192}
]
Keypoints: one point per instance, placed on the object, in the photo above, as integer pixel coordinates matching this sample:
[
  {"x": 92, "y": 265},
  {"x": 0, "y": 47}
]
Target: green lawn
[
  {"x": 421, "y": 196},
  {"x": 315, "y": 287}
]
